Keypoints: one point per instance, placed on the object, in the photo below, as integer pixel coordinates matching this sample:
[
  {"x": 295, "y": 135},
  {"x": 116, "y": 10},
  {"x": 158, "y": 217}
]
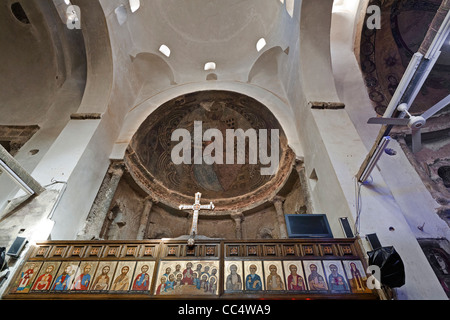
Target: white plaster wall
[
  {"x": 307, "y": 79},
  {"x": 396, "y": 197},
  {"x": 111, "y": 92},
  {"x": 415, "y": 200},
  {"x": 42, "y": 79}
]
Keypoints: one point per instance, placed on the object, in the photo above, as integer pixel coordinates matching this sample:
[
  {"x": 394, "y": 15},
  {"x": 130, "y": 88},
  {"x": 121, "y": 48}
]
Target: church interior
[{"x": 93, "y": 91}]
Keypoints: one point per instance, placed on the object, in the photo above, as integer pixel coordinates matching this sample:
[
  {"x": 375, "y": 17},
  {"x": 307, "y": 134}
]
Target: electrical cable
[
  {"x": 358, "y": 202},
  {"x": 357, "y": 206}
]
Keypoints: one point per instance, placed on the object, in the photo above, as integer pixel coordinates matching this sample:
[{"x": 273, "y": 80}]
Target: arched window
[
  {"x": 211, "y": 77},
  {"x": 165, "y": 50},
  {"x": 261, "y": 44},
  {"x": 19, "y": 13},
  {"x": 210, "y": 66},
  {"x": 135, "y": 5}
]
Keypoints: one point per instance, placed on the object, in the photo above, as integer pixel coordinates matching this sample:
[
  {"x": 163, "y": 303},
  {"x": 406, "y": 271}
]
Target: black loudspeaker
[
  {"x": 392, "y": 269},
  {"x": 374, "y": 241},
  {"x": 346, "y": 228}
]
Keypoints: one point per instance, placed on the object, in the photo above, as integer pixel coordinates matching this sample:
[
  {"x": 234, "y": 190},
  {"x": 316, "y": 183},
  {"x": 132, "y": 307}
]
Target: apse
[{"x": 230, "y": 182}]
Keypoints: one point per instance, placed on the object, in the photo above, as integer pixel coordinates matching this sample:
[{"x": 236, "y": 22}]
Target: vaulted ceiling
[{"x": 202, "y": 31}]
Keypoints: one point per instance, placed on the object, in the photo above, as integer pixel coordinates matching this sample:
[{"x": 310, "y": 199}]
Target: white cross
[{"x": 196, "y": 207}]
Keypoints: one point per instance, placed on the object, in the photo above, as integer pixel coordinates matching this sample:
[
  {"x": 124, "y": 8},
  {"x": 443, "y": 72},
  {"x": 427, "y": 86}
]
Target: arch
[
  {"x": 19, "y": 13},
  {"x": 266, "y": 64},
  {"x": 153, "y": 71},
  {"x": 135, "y": 5},
  {"x": 150, "y": 154},
  {"x": 211, "y": 76},
  {"x": 141, "y": 112},
  {"x": 315, "y": 53},
  {"x": 99, "y": 59}
]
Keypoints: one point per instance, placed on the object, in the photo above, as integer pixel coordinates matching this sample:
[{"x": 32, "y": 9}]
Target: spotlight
[{"x": 390, "y": 151}]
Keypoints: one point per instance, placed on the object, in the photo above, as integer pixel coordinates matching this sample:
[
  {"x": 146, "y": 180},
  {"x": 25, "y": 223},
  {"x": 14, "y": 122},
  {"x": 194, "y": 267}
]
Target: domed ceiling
[
  {"x": 230, "y": 186},
  {"x": 201, "y": 31},
  {"x": 386, "y": 53}
]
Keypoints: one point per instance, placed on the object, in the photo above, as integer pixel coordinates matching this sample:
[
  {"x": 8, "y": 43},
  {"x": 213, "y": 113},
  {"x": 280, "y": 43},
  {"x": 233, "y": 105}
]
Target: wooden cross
[{"x": 196, "y": 207}]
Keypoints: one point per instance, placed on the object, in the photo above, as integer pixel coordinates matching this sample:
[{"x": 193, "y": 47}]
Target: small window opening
[
  {"x": 444, "y": 173},
  {"x": 135, "y": 5},
  {"x": 19, "y": 13},
  {"x": 261, "y": 44},
  {"x": 211, "y": 76},
  {"x": 210, "y": 66},
  {"x": 165, "y": 50}
]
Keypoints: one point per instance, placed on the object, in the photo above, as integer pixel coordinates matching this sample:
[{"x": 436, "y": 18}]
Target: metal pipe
[
  {"x": 403, "y": 86},
  {"x": 18, "y": 173},
  {"x": 413, "y": 80},
  {"x": 376, "y": 156},
  {"x": 16, "y": 178}
]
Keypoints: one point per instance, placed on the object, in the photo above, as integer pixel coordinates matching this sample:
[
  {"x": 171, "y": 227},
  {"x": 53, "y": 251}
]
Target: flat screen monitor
[
  {"x": 308, "y": 226},
  {"x": 17, "y": 246}
]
